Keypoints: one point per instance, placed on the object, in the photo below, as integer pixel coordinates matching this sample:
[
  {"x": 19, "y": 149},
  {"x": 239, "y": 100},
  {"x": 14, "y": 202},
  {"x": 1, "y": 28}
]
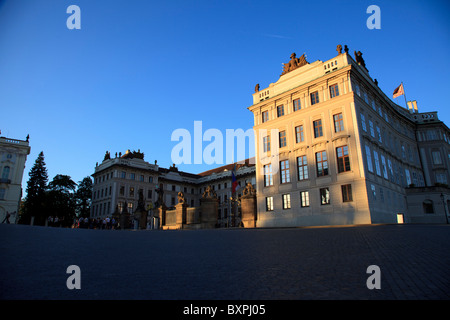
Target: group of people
[
  {"x": 55, "y": 221},
  {"x": 106, "y": 223}
]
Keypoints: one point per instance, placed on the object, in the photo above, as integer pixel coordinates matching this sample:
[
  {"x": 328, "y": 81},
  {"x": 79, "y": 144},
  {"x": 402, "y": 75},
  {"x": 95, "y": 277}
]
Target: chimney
[
  {"x": 415, "y": 106},
  {"x": 410, "y": 107}
]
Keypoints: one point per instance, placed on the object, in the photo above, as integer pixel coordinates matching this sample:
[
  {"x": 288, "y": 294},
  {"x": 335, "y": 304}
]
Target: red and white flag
[{"x": 399, "y": 91}]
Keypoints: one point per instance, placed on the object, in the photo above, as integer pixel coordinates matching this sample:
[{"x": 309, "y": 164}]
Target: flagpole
[{"x": 404, "y": 94}]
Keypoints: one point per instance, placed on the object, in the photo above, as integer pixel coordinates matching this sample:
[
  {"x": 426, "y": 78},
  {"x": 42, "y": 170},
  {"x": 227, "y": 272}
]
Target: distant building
[
  {"x": 333, "y": 149},
  {"x": 13, "y": 156},
  {"x": 118, "y": 181}
]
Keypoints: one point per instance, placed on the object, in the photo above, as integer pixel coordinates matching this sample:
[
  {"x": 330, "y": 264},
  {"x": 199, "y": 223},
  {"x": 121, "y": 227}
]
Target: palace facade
[{"x": 333, "y": 149}]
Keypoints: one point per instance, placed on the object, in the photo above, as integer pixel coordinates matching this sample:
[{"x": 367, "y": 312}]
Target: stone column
[
  {"x": 248, "y": 210},
  {"x": 180, "y": 210},
  {"x": 209, "y": 208}
]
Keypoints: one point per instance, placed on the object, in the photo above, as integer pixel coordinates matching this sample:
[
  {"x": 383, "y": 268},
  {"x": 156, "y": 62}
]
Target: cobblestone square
[{"x": 227, "y": 264}]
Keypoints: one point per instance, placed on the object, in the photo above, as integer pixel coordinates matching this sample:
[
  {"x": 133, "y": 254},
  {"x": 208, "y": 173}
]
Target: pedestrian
[
  {"x": 50, "y": 221},
  {"x": 7, "y": 218}
]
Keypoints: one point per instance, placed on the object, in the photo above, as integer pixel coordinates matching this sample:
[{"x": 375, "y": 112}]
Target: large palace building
[{"x": 333, "y": 149}]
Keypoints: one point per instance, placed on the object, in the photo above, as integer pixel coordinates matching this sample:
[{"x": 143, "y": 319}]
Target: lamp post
[{"x": 445, "y": 210}]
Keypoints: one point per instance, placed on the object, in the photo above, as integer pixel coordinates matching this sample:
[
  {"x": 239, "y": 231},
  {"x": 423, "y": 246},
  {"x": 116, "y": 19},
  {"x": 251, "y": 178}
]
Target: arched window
[
  {"x": 428, "y": 206},
  {"x": 5, "y": 174}
]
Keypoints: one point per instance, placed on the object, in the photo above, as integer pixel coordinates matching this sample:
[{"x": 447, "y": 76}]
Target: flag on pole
[
  {"x": 399, "y": 91},
  {"x": 234, "y": 183}
]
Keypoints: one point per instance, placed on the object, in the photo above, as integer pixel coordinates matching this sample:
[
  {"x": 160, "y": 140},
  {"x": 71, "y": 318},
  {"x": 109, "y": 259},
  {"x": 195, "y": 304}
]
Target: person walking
[{"x": 7, "y": 218}]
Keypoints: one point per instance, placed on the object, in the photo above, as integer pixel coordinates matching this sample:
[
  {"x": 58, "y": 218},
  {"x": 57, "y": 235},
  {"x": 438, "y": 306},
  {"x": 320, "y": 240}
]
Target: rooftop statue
[
  {"x": 294, "y": 63},
  {"x": 359, "y": 59}
]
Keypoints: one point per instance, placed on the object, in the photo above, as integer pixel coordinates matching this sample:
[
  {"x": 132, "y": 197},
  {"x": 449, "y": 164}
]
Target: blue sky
[{"x": 138, "y": 70}]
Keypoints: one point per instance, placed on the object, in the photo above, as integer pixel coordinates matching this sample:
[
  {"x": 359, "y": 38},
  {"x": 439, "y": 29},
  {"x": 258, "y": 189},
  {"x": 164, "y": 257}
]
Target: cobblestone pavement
[{"x": 226, "y": 264}]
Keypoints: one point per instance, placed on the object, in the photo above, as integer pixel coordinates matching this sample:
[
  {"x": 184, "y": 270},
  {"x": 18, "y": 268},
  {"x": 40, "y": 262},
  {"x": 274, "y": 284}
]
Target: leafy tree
[
  {"x": 60, "y": 200},
  {"x": 62, "y": 183},
  {"x": 83, "y": 197},
  {"x": 34, "y": 204}
]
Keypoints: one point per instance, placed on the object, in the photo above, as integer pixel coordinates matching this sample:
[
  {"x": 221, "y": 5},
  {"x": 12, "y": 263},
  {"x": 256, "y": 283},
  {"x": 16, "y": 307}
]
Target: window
[
  {"x": 5, "y": 173},
  {"x": 141, "y": 178},
  {"x": 282, "y": 138},
  {"x": 357, "y": 90},
  {"x": 379, "y": 134},
  {"x": 322, "y": 163},
  {"x": 132, "y": 176},
  {"x": 372, "y": 132},
  {"x": 377, "y": 162},
  {"x": 338, "y": 122},
  {"x": 441, "y": 178},
  {"x": 299, "y": 137},
  {"x": 131, "y": 193},
  {"x": 436, "y": 155},
  {"x": 268, "y": 178},
  {"x": 369, "y": 159},
  {"x": 343, "y": 159},
  {"x": 302, "y": 166},
  {"x": 374, "y": 193},
  {"x": 383, "y": 166},
  {"x": 280, "y": 111},
  {"x": 149, "y": 194},
  {"x": 317, "y": 128},
  {"x": 324, "y": 196},
  {"x": 122, "y": 191},
  {"x": 284, "y": 177},
  {"x": 266, "y": 143},
  {"x": 123, "y": 174},
  {"x": 269, "y": 203},
  {"x": 363, "y": 123},
  {"x": 428, "y": 206},
  {"x": 286, "y": 201},
  {"x": 334, "y": 91},
  {"x": 304, "y": 196},
  {"x": 403, "y": 152},
  {"x": 2, "y": 193},
  {"x": 265, "y": 116},
  {"x": 347, "y": 193},
  {"x": 408, "y": 177},
  {"x": 150, "y": 179},
  {"x": 297, "y": 104},
  {"x": 314, "y": 97}
]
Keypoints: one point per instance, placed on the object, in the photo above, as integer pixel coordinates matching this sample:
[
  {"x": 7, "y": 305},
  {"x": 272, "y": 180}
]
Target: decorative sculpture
[
  {"x": 209, "y": 193},
  {"x": 249, "y": 190},
  {"x": 181, "y": 197},
  {"x": 345, "y": 49},
  {"x": 359, "y": 59},
  {"x": 257, "y": 88},
  {"x": 294, "y": 63},
  {"x": 339, "y": 49}
]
